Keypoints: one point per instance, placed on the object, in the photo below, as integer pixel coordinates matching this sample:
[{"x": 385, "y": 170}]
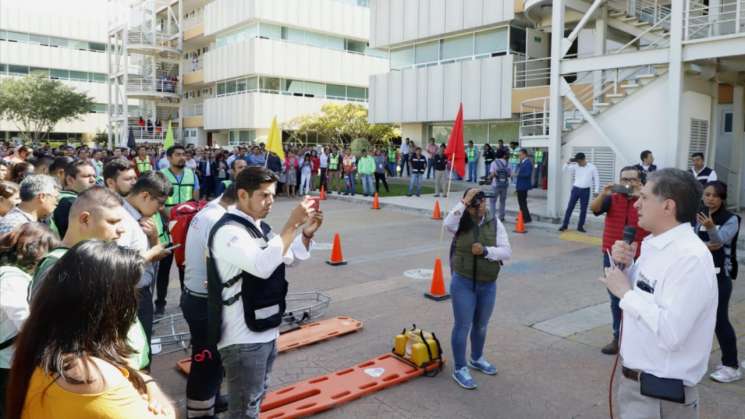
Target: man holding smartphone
[
  {"x": 617, "y": 202},
  {"x": 669, "y": 302}
]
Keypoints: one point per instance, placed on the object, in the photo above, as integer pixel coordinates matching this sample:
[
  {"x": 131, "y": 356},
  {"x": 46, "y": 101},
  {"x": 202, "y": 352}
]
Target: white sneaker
[{"x": 726, "y": 375}]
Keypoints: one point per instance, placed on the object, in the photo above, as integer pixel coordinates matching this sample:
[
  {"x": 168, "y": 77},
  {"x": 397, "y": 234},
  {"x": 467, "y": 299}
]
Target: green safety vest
[
  {"x": 143, "y": 166},
  {"x": 333, "y": 162},
  {"x": 163, "y": 236},
  {"x": 391, "y": 155},
  {"x": 486, "y": 270},
  {"x": 182, "y": 191},
  {"x": 471, "y": 153},
  {"x": 64, "y": 194}
]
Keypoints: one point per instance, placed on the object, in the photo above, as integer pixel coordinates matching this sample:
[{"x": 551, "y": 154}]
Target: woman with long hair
[
  {"x": 71, "y": 356},
  {"x": 718, "y": 228},
  {"x": 9, "y": 197},
  {"x": 479, "y": 246},
  {"x": 20, "y": 252},
  {"x": 19, "y": 171}
]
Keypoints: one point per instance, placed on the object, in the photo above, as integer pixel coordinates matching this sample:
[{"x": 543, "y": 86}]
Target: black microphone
[{"x": 629, "y": 233}]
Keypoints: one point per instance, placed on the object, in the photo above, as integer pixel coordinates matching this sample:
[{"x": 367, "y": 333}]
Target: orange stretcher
[
  {"x": 304, "y": 335},
  {"x": 327, "y": 391}
]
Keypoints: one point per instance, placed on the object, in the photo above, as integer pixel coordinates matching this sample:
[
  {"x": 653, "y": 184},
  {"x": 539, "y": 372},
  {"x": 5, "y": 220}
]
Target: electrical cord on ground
[{"x": 613, "y": 372}]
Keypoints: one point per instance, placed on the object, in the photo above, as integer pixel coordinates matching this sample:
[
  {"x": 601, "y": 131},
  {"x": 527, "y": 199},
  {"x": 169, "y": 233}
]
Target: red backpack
[{"x": 180, "y": 219}]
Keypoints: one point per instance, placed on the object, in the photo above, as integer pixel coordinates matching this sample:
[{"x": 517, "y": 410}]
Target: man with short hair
[
  {"x": 143, "y": 164},
  {"x": 618, "y": 205},
  {"x": 647, "y": 165},
  {"x": 472, "y": 156},
  {"x": 242, "y": 247},
  {"x": 585, "y": 177},
  {"x": 57, "y": 169},
  {"x": 500, "y": 174},
  {"x": 700, "y": 171},
  {"x": 418, "y": 166},
  {"x": 669, "y": 302},
  {"x": 119, "y": 176},
  {"x": 404, "y": 151},
  {"x": 523, "y": 183},
  {"x": 441, "y": 166},
  {"x": 205, "y": 375},
  {"x": 38, "y": 194},
  {"x": 366, "y": 169},
  {"x": 79, "y": 177},
  {"x": 431, "y": 153}
]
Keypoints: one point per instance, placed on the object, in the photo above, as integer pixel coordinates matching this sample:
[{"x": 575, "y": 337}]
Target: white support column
[
  {"x": 601, "y": 34},
  {"x": 675, "y": 85},
  {"x": 738, "y": 146},
  {"x": 556, "y": 117},
  {"x": 714, "y": 6}
]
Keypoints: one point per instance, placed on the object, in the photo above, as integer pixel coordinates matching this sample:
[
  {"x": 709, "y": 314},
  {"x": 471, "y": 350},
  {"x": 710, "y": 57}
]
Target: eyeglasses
[{"x": 629, "y": 180}]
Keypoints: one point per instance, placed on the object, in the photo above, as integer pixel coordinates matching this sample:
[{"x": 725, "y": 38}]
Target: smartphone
[
  {"x": 622, "y": 189},
  {"x": 316, "y": 202},
  {"x": 172, "y": 246},
  {"x": 705, "y": 210}
]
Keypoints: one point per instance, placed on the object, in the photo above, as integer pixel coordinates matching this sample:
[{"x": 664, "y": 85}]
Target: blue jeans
[
  {"x": 583, "y": 196},
  {"x": 500, "y": 194},
  {"x": 416, "y": 180},
  {"x": 368, "y": 188},
  {"x": 430, "y": 166},
  {"x": 615, "y": 309},
  {"x": 392, "y": 169},
  {"x": 349, "y": 183},
  {"x": 472, "y": 171},
  {"x": 247, "y": 368},
  {"x": 472, "y": 309}
]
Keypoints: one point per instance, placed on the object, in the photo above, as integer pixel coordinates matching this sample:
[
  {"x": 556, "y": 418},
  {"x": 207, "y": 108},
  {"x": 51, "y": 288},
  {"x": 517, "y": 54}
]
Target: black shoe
[
  {"x": 160, "y": 310},
  {"x": 581, "y": 230},
  {"x": 611, "y": 348},
  {"x": 562, "y": 228}
]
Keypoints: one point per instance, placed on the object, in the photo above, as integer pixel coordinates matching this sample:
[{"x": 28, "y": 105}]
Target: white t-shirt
[
  {"x": 195, "y": 272},
  {"x": 134, "y": 238}
]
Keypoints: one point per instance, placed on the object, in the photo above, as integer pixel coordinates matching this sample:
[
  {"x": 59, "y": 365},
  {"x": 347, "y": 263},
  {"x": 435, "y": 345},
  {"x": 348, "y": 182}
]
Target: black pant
[
  {"x": 324, "y": 179},
  {"x": 164, "y": 271},
  {"x": 583, "y": 196},
  {"x": 405, "y": 162},
  {"x": 205, "y": 186},
  {"x": 4, "y": 376},
  {"x": 145, "y": 315},
  {"x": 723, "y": 329},
  {"x": 381, "y": 177},
  {"x": 205, "y": 376},
  {"x": 522, "y": 200}
]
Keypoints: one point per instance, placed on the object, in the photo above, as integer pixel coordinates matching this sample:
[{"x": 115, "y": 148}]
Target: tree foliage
[
  {"x": 340, "y": 124},
  {"x": 36, "y": 104}
]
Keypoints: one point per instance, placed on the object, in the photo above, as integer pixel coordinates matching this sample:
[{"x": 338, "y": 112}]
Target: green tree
[
  {"x": 36, "y": 105},
  {"x": 340, "y": 124}
]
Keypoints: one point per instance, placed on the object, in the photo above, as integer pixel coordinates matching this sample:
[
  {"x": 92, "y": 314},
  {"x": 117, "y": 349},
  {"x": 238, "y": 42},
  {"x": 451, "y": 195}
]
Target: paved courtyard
[{"x": 550, "y": 321}]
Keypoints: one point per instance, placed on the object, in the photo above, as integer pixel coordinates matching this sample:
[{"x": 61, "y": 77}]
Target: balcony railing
[
  {"x": 152, "y": 85},
  {"x": 193, "y": 20},
  {"x": 192, "y": 65},
  {"x": 703, "y": 21},
  {"x": 194, "y": 109}
]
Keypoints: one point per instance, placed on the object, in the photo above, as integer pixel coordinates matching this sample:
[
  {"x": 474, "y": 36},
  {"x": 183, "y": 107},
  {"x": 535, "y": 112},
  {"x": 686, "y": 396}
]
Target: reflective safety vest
[
  {"x": 334, "y": 162},
  {"x": 391, "y": 155},
  {"x": 471, "y": 153},
  {"x": 182, "y": 191},
  {"x": 163, "y": 236},
  {"x": 143, "y": 166},
  {"x": 226, "y": 183}
]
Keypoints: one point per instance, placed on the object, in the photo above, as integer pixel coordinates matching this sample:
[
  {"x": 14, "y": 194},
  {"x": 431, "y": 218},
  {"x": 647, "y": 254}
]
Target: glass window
[
  {"x": 251, "y": 84},
  {"x": 240, "y": 86},
  {"x": 39, "y": 40},
  {"x": 517, "y": 39},
  {"x": 375, "y": 53},
  {"x": 293, "y": 35},
  {"x": 324, "y": 41},
  {"x": 43, "y": 72},
  {"x": 401, "y": 58},
  {"x": 230, "y": 87},
  {"x": 3, "y": 68},
  {"x": 247, "y": 136},
  {"x": 17, "y": 36},
  {"x": 270, "y": 84},
  {"x": 457, "y": 47},
  {"x": 270, "y": 31},
  {"x": 488, "y": 42},
  {"x": 99, "y": 108},
  {"x": 728, "y": 122},
  {"x": 3, "y": 35},
  {"x": 505, "y": 131},
  {"x": 58, "y": 42},
  {"x": 95, "y": 46},
  {"x": 478, "y": 133},
  {"x": 427, "y": 53},
  {"x": 356, "y": 46},
  {"x": 440, "y": 133},
  {"x": 220, "y": 89},
  {"x": 356, "y": 93},
  {"x": 98, "y": 77},
  {"x": 17, "y": 69},
  {"x": 314, "y": 89},
  {"x": 335, "y": 91},
  {"x": 293, "y": 87},
  {"x": 78, "y": 75}
]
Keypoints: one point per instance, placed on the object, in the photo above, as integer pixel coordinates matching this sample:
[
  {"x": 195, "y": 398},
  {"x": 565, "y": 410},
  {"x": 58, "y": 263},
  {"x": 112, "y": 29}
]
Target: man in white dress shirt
[
  {"x": 585, "y": 179},
  {"x": 247, "y": 286},
  {"x": 669, "y": 302}
]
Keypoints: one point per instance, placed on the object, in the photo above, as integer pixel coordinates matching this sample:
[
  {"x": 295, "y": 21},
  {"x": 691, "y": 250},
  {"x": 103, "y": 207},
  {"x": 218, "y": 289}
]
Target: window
[
  {"x": 427, "y": 53},
  {"x": 335, "y": 91},
  {"x": 268, "y": 31},
  {"x": 401, "y": 58},
  {"x": 517, "y": 39},
  {"x": 356, "y": 46},
  {"x": 312, "y": 89},
  {"x": 477, "y": 133},
  {"x": 728, "y": 122},
  {"x": 43, "y": 72},
  {"x": 293, "y": 87},
  {"x": 230, "y": 87},
  {"x": 247, "y": 136},
  {"x": 240, "y": 86},
  {"x": 357, "y": 93},
  {"x": 98, "y": 77},
  {"x": 17, "y": 37},
  {"x": 39, "y": 40},
  {"x": 17, "y": 69},
  {"x": 58, "y": 42},
  {"x": 95, "y": 46},
  {"x": 457, "y": 47},
  {"x": 269, "y": 84},
  {"x": 98, "y": 108},
  {"x": 251, "y": 84},
  {"x": 3, "y": 68},
  {"x": 220, "y": 89},
  {"x": 78, "y": 76},
  {"x": 489, "y": 42}
]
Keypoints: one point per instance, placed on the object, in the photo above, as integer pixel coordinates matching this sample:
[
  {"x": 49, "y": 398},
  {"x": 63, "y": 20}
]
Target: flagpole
[{"x": 447, "y": 194}]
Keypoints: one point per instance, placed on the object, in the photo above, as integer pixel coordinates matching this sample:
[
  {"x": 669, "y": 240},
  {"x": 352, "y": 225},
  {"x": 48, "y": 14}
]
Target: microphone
[{"x": 629, "y": 233}]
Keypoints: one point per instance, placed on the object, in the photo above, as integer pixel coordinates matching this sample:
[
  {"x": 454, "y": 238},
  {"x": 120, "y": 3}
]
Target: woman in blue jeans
[{"x": 476, "y": 254}]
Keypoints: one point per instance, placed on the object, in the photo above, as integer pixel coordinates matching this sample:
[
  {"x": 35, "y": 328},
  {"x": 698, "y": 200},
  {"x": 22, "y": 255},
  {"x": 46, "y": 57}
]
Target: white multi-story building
[
  {"x": 622, "y": 76},
  {"x": 58, "y": 41},
  {"x": 247, "y": 61}
]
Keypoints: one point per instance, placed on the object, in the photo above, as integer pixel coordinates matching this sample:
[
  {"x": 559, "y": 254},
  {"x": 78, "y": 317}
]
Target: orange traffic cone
[
  {"x": 436, "y": 214},
  {"x": 520, "y": 226},
  {"x": 376, "y": 203},
  {"x": 437, "y": 289},
  {"x": 336, "y": 257},
  {"x": 323, "y": 193}
]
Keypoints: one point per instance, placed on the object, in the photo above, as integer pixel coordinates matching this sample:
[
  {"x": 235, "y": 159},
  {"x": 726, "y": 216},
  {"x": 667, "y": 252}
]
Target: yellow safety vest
[{"x": 182, "y": 191}]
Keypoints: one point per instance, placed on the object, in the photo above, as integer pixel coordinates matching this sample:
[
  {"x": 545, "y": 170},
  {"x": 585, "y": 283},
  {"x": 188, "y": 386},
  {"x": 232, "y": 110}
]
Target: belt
[
  {"x": 632, "y": 375},
  {"x": 187, "y": 291}
]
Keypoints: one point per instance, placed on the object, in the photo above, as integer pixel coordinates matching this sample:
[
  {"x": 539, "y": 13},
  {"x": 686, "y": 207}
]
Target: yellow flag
[
  {"x": 168, "y": 141},
  {"x": 274, "y": 141}
]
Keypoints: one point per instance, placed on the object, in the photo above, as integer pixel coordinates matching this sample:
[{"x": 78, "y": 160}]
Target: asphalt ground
[{"x": 550, "y": 321}]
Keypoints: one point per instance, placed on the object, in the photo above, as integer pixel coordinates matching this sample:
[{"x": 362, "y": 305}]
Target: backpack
[
  {"x": 501, "y": 175},
  {"x": 180, "y": 218}
]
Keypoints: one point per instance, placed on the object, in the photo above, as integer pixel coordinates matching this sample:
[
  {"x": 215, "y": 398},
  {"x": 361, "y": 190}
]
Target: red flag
[{"x": 456, "y": 147}]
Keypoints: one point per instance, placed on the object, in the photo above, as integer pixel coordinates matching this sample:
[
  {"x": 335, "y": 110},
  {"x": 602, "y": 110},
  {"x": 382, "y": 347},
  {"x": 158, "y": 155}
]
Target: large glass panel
[
  {"x": 3, "y": 35},
  {"x": 324, "y": 41},
  {"x": 43, "y": 72},
  {"x": 78, "y": 75},
  {"x": 269, "y": 84},
  {"x": 269, "y": 31},
  {"x": 81, "y": 45},
  {"x": 58, "y": 42},
  {"x": 240, "y": 86},
  {"x": 230, "y": 87},
  {"x": 247, "y": 136},
  {"x": 17, "y": 36},
  {"x": 507, "y": 131},
  {"x": 59, "y": 74},
  {"x": 17, "y": 69},
  {"x": 478, "y": 133},
  {"x": 440, "y": 133},
  {"x": 491, "y": 41},
  {"x": 220, "y": 89},
  {"x": 401, "y": 58},
  {"x": 427, "y": 53},
  {"x": 517, "y": 39},
  {"x": 357, "y": 93},
  {"x": 335, "y": 91},
  {"x": 314, "y": 89},
  {"x": 457, "y": 47},
  {"x": 293, "y": 35},
  {"x": 293, "y": 87},
  {"x": 251, "y": 84},
  {"x": 95, "y": 46},
  {"x": 39, "y": 40},
  {"x": 356, "y": 46},
  {"x": 376, "y": 53},
  {"x": 98, "y": 77},
  {"x": 3, "y": 68}
]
